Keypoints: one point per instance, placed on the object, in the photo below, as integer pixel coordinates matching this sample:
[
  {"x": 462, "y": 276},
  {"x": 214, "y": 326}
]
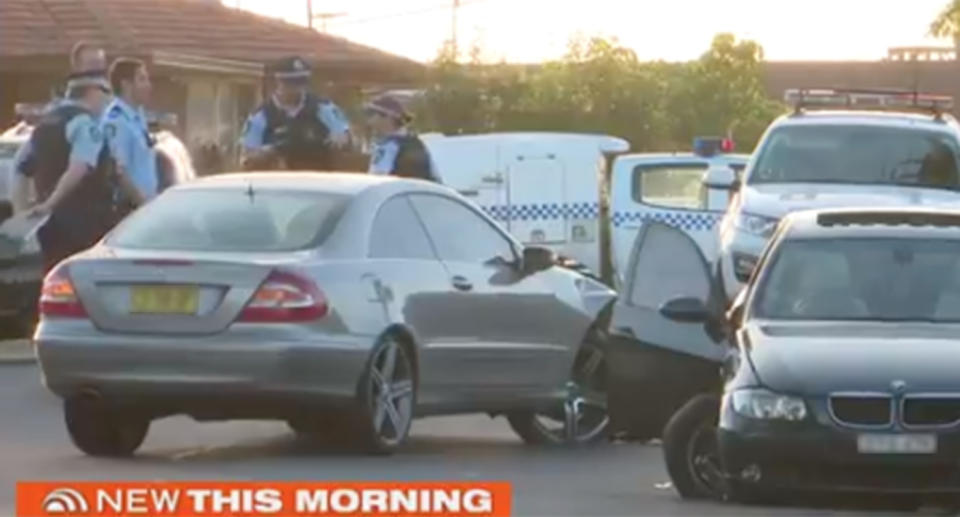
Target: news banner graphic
[{"x": 256, "y": 499}]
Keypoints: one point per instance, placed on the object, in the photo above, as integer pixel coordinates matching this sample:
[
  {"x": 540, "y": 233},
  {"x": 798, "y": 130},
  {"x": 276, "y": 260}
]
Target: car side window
[
  {"x": 459, "y": 233},
  {"x": 398, "y": 234},
  {"x": 670, "y": 185}
]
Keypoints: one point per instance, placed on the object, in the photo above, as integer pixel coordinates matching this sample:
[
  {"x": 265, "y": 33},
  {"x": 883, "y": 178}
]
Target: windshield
[
  {"x": 858, "y": 154},
  {"x": 863, "y": 279},
  {"x": 231, "y": 220}
]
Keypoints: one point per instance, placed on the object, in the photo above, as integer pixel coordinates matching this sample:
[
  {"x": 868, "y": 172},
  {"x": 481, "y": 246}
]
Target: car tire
[
  {"x": 386, "y": 398},
  {"x": 99, "y": 430},
  {"x": 588, "y": 384},
  {"x": 690, "y": 449}
]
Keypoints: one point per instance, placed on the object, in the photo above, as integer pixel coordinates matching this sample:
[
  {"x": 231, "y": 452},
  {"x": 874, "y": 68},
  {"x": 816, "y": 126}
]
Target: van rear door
[{"x": 537, "y": 193}]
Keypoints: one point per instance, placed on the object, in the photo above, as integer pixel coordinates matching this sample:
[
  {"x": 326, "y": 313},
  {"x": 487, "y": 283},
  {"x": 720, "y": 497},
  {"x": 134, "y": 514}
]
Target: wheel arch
[{"x": 408, "y": 340}]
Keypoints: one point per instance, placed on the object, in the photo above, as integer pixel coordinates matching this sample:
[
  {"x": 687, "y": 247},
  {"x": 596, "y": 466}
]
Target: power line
[{"x": 403, "y": 14}]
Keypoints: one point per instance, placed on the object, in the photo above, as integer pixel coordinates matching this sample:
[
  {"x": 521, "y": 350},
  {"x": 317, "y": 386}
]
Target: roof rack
[
  {"x": 889, "y": 218},
  {"x": 868, "y": 99}
]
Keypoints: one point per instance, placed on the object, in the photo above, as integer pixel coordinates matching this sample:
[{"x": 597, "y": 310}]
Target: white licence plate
[{"x": 897, "y": 443}]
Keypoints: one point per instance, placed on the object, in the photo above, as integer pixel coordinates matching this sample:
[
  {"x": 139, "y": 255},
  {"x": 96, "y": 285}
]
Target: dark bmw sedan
[{"x": 846, "y": 370}]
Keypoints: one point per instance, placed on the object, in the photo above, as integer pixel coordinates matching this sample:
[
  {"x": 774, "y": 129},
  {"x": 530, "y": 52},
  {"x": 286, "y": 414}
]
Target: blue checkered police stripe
[
  {"x": 682, "y": 220},
  {"x": 543, "y": 211}
]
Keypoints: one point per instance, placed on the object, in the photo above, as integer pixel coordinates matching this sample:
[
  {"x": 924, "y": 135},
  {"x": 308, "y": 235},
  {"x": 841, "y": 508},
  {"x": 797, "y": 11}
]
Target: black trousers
[{"x": 63, "y": 236}]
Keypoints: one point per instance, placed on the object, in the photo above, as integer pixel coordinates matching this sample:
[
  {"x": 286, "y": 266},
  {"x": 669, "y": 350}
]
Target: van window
[
  {"x": 671, "y": 186},
  {"x": 859, "y": 154}
]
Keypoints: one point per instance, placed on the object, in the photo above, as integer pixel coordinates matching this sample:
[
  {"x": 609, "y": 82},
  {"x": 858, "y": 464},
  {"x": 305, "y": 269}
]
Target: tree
[
  {"x": 600, "y": 86},
  {"x": 947, "y": 23}
]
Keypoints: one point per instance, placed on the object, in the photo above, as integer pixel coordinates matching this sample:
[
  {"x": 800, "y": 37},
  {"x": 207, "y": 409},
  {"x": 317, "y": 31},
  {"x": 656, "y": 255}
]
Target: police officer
[
  {"x": 397, "y": 150},
  {"x": 85, "y": 58},
  {"x": 127, "y": 133},
  {"x": 71, "y": 170},
  {"x": 294, "y": 126}
]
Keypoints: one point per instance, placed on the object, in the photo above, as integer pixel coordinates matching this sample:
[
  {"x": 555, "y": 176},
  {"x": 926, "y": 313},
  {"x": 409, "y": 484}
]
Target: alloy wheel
[
  {"x": 583, "y": 417},
  {"x": 392, "y": 393}
]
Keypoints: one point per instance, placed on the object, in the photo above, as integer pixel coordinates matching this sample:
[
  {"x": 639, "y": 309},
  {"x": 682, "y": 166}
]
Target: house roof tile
[{"x": 195, "y": 27}]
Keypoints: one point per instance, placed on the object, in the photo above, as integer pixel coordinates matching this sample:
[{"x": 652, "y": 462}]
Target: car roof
[
  {"x": 868, "y": 222},
  {"x": 346, "y": 183},
  {"x": 867, "y": 118},
  {"x": 613, "y": 143},
  {"x": 685, "y": 156}
]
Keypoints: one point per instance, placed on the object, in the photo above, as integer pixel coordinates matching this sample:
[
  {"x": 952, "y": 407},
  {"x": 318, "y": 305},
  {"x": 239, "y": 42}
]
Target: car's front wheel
[
  {"x": 386, "y": 398},
  {"x": 99, "y": 430},
  {"x": 583, "y": 417},
  {"x": 690, "y": 449}
]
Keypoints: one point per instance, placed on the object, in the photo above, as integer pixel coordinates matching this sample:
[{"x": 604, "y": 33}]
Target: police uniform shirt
[
  {"x": 327, "y": 112},
  {"x": 383, "y": 157},
  {"x": 131, "y": 146}
]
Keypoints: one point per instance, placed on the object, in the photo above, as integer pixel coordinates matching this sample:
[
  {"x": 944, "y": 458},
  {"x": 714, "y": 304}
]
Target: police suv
[
  {"x": 840, "y": 148},
  {"x": 559, "y": 190}
]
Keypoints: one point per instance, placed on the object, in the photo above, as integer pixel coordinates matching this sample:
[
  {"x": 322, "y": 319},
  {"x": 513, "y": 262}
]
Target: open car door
[{"x": 656, "y": 363}]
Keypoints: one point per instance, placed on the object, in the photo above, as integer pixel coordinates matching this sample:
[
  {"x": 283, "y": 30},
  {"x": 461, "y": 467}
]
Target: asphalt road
[{"x": 607, "y": 480}]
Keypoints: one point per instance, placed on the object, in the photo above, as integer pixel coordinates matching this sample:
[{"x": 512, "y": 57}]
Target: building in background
[{"x": 206, "y": 60}]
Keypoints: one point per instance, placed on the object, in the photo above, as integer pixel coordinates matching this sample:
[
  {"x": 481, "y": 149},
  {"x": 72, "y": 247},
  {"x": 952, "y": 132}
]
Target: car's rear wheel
[
  {"x": 387, "y": 398},
  {"x": 99, "y": 430},
  {"x": 690, "y": 449},
  {"x": 583, "y": 417}
]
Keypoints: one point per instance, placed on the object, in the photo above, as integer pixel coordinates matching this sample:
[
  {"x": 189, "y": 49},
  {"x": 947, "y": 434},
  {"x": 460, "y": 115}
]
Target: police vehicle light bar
[
  {"x": 868, "y": 99},
  {"x": 710, "y": 146}
]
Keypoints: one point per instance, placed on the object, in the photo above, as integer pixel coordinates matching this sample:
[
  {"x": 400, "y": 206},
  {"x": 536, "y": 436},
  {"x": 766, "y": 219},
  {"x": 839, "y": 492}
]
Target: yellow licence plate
[{"x": 164, "y": 299}]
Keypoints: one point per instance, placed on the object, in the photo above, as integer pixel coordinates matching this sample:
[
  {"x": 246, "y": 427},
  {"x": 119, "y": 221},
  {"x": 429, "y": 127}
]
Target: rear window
[
  {"x": 232, "y": 220},
  {"x": 858, "y": 154}
]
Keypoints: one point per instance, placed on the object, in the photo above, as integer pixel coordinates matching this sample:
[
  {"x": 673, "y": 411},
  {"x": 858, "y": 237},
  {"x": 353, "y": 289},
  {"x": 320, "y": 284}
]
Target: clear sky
[{"x": 537, "y": 30}]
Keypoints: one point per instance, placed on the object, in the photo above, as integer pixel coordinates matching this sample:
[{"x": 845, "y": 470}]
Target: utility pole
[
  {"x": 310, "y": 14},
  {"x": 453, "y": 28}
]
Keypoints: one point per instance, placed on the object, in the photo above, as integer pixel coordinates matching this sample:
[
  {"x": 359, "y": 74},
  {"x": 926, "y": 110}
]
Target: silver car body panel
[{"x": 508, "y": 342}]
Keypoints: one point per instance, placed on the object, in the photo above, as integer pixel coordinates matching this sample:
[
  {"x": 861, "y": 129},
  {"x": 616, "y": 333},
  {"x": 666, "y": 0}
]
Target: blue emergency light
[{"x": 710, "y": 146}]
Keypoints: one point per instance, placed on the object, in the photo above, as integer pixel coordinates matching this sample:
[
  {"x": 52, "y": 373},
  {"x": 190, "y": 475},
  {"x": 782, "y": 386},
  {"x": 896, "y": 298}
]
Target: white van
[
  {"x": 553, "y": 189},
  {"x": 545, "y": 188}
]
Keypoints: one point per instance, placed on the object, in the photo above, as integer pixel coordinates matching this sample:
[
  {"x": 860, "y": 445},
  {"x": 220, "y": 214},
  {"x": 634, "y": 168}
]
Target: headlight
[
  {"x": 756, "y": 224},
  {"x": 767, "y": 405}
]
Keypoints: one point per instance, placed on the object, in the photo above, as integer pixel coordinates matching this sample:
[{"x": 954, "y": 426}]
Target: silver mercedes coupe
[{"x": 344, "y": 304}]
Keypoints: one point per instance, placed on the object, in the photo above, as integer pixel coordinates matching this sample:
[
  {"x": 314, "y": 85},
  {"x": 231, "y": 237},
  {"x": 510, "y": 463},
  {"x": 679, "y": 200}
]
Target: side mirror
[
  {"x": 537, "y": 259},
  {"x": 721, "y": 177},
  {"x": 686, "y": 310}
]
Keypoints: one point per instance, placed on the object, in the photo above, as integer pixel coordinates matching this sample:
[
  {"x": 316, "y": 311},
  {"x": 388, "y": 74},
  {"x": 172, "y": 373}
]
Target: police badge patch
[{"x": 95, "y": 133}]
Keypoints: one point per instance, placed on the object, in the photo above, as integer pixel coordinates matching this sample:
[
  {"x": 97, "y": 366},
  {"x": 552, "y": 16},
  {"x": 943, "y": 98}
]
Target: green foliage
[
  {"x": 601, "y": 86},
  {"x": 947, "y": 23}
]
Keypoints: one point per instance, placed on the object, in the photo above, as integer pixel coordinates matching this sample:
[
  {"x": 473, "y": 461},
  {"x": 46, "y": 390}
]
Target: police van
[{"x": 580, "y": 194}]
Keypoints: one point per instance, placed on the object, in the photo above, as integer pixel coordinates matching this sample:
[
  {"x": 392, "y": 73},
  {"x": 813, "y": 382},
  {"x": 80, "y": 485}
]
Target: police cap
[
  {"x": 293, "y": 68},
  {"x": 389, "y": 106}
]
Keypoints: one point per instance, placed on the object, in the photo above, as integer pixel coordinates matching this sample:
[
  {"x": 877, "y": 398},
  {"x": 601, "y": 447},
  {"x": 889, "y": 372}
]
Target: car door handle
[{"x": 461, "y": 283}]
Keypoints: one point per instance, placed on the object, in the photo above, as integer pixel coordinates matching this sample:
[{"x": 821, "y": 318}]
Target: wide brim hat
[{"x": 389, "y": 107}]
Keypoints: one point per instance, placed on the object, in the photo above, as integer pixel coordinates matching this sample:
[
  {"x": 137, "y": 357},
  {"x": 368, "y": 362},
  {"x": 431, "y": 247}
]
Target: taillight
[
  {"x": 285, "y": 297},
  {"x": 58, "y": 298}
]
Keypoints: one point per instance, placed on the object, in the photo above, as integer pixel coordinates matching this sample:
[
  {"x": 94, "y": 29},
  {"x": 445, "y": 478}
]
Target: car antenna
[{"x": 250, "y": 192}]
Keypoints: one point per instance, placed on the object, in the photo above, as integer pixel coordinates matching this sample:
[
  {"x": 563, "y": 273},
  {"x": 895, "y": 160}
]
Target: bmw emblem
[{"x": 898, "y": 386}]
